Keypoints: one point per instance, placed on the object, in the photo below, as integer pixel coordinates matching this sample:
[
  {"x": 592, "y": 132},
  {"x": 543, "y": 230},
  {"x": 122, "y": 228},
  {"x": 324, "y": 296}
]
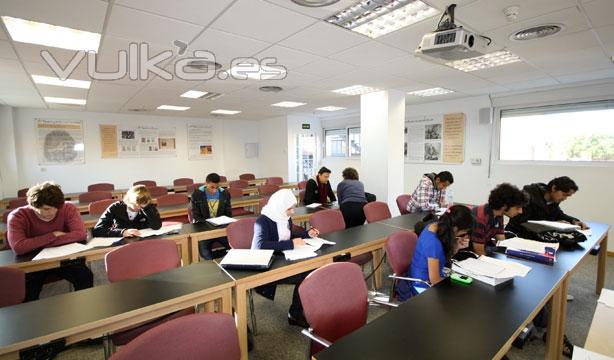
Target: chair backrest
[
  {"x": 223, "y": 179},
  {"x": 267, "y": 189},
  {"x": 402, "y": 201},
  {"x": 263, "y": 202},
  {"x": 172, "y": 199},
  {"x": 247, "y": 176},
  {"x": 13, "y": 289},
  {"x": 301, "y": 197},
  {"x": 239, "y": 184},
  {"x": 334, "y": 299},
  {"x": 190, "y": 188},
  {"x": 100, "y": 206},
  {"x": 276, "y": 180},
  {"x": 22, "y": 192},
  {"x": 400, "y": 248},
  {"x": 191, "y": 337},
  {"x": 141, "y": 258},
  {"x": 327, "y": 221},
  {"x": 240, "y": 233},
  {"x": 91, "y": 196},
  {"x": 147, "y": 183},
  {"x": 190, "y": 215},
  {"x": 235, "y": 192},
  {"x": 183, "y": 181},
  {"x": 302, "y": 185},
  {"x": 5, "y": 215},
  {"x": 157, "y": 191},
  {"x": 376, "y": 211},
  {"x": 101, "y": 187},
  {"x": 20, "y": 201}
]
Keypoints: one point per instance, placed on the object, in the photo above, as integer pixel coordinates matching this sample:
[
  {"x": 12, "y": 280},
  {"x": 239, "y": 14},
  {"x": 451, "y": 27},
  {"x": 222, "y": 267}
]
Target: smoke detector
[
  {"x": 270, "y": 88},
  {"x": 140, "y": 109},
  {"x": 536, "y": 32},
  {"x": 314, "y": 3},
  {"x": 511, "y": 12}
]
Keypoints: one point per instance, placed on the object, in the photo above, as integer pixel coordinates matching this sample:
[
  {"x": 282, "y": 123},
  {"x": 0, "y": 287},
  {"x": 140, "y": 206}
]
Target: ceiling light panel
[
  {"x": 356, "y": 90},
  {"x": 54, "y": 81},
  {"x": 430, "y": 92},
  {"x": 288, "y": 104},
  {"x": 487, "y": 61}
]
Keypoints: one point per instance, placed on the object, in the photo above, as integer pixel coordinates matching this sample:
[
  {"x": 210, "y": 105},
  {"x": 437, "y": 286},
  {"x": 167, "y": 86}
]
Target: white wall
[
  {"x": 228, "y": 146},
  {"x": 274, "y": 147},
  {"x": 337, "y": 164},
  {"x": 8, "y": 161}
]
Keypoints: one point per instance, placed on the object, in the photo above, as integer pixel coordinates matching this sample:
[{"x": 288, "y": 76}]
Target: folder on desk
[
  {"x": 247, "y": 259},
  {"x": 164, "y": 230}
]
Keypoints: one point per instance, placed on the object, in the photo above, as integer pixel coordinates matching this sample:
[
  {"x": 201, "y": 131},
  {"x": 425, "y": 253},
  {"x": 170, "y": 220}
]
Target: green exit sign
[{"x": 306, "y": 126}]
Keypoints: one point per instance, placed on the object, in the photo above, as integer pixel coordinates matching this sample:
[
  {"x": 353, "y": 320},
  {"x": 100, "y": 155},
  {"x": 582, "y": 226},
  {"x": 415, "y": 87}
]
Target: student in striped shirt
[{"x": 431, "y": 192}]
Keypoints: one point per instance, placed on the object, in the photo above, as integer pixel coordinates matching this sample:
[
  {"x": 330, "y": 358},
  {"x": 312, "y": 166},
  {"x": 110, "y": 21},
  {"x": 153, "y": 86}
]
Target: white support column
[{"x": 382, "y": 122}]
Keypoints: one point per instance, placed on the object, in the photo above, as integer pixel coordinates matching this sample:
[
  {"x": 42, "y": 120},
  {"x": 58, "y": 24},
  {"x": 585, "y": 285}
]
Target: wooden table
[{"x": 165, "y": 213}]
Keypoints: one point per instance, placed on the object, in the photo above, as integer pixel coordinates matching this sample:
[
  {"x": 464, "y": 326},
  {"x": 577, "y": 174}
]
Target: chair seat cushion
[{"x": 122, "y": 337}]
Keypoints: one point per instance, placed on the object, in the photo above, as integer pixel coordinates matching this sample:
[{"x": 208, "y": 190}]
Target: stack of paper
[
  {"x": 528, "y": 245},
  {"x": 313, "y": 206},
  {"x": 221, "y": 220},
  {"x": 161, "y": 231},
  {"x": 102, "y": 242},
  {"x": 607, "y": 298},
  {"x": 490, "y": 270},
  {"x": 300, "y": 252},
  {"x": 555, "y": 225},
  {"x": 317, "y": 242},
  {"x": 73, "y": 248}
]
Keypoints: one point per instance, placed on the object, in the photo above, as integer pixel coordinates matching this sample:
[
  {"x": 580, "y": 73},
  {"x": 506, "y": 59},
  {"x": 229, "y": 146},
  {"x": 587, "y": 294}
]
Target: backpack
[{"x": 568, "y": 239}]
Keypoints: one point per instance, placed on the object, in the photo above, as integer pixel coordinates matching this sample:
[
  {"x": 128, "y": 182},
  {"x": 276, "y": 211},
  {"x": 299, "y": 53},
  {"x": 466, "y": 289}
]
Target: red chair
[
  {"x": 302, "y": 185},
  {"x": 267, "y": 189},
  {"x": 101, "y": 187},
  {"x": 402, "y": 201},
  {"x": 91, "y": 196},
  {"x": 190, "y": 188},
  {"x": 247, "y": 177},
  {"x": 335, "y": 303},
  {"x": 22, "y": 192},
  {"x": 238, "y": 184},
  {"x": 263, "y": 202},
  {"x": 100, "y": 206},
  {"x": 235, "y": 193},
  {"x": 190, "y": 215},
  {"x": 183, "y": 181},
  {"x": 376, "y": 211},
  {"x": 223, "y": 179},
  {"x": 147, "y": 183},
  {"x": 157, "y": 191},
  {"x": 172, "y": 200},
  {"x": 193, "y": 337},
  {"x": 5, "y": 215},
  {"x": 13, "y": 289},
  {"x": 136, "y": 260},
  {"x": 400, "y": 248},
  {"x": 274, "y": 181},
  {"x": 301, "y": 197},
  {"x": 19, "y": 202}
]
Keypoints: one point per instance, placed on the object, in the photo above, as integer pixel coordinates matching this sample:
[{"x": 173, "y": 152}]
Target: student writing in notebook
[
  {"x": 209, "y": 201},
  {"x": 126, "y": 217},
  {"x": 45, "y": 222},
  {"x": 274, "y": 230},
  {"x": 437, "y": 242},
  {"x": 430, "y": 193},
  {"x": 318, "y": 189}
]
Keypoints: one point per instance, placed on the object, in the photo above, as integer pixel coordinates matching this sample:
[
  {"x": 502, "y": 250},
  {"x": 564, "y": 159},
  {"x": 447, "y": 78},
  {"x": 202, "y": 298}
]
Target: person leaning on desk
[
  {"x": 318, "y": 189},
  {"x": 430, "y": 193},
  {"x": 48, "y": 221},
  {"x": 125, "y": 218}
]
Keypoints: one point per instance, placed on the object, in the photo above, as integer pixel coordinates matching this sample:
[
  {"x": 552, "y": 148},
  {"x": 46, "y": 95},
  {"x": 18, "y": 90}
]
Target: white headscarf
[{"x": 276, "y": 209}]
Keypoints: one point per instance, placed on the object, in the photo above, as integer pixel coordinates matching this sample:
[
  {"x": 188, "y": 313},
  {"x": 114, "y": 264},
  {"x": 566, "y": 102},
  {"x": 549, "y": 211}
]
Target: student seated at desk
[
  {"x": 273, "y": 230},
  {"x": 208, "y": 201},
  {"x": 352, "y": 198},
  {"x": 505, "y": 199},
  {"x": 544, "y": 204},
  {"x": 45, "y": 222},
  {"x": 437, "y": 243},
  {"x": 318, "y": 189},
  {"x": 125, "y": 218},
  {"x": 431, "y": 192}
]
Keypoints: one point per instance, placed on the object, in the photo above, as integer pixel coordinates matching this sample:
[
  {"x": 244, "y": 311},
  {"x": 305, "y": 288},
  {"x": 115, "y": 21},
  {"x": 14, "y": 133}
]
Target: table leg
[
  {"x": 556, "y": 322},
  {"x": 226, "y": 302},
  {"x": 241, "y": 318},
  {"x": 185, "y": 251},
  {"x": 603, "y": 253},
  {"x": 194, "y": 250},
  {"x": 209, "y": 306},
  {"x": 378, "y": 256}
]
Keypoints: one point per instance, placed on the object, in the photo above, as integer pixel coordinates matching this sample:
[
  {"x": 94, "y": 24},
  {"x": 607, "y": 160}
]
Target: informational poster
[
  {"x": 108, "y": 141},
  {"x": 60, "y": 142},
  {"x": 454, "y": 138},
  {"x": 167, "y": 142},
  {"x": 435, "y": 139},
  {"x": 128, "y": 146},
  {"x": 200, "y": 141}
]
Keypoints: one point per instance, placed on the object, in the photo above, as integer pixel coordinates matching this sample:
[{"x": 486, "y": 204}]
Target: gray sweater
[{"x": 351, "y": 191}]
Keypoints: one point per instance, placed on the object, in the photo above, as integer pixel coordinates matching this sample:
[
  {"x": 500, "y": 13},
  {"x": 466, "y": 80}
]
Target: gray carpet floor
[{"x": 277, "y": 340}]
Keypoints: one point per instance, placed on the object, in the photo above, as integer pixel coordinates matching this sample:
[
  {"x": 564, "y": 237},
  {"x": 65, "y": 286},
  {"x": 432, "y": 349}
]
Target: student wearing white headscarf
[{"x": 273, "y": 230}]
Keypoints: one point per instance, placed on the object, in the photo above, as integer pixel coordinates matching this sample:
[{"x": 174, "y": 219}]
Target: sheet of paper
[
  {"x": 221, "y": 220},
  {"x": 511, "y": 268},
  {"x": 314, "y": 205},
  {"x": 317, "y": 242},
  {"x": 586, "y": 232},
  {"x": 163, "y": 230},
  {"x": 525, "y": 244},
  {"x": 301, "y": 252},
  {"x": 583, "y": 354},
  {"x": 555, "y": 225},
  {"x": 59, "y": 251},
  {"x": 494, "y": 268},
  {"x": 102, "y": 241},
  {"x": 247, "y": 257},
  {"x": 607, "y": 298},
  {"x": 440, "y": 211}
]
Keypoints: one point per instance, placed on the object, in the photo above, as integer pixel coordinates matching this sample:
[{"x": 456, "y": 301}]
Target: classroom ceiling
[{"x": 320, "y": 57}]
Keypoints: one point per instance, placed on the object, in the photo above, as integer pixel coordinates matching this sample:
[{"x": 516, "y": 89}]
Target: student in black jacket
[
  {"x": 209, "y": 201},
  {"x": 125, "y": 218},
  {"x": 318, "y": 189}
]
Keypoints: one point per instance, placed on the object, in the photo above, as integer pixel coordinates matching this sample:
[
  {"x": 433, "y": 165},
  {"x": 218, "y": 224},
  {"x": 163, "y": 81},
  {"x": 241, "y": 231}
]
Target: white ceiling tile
[
  {"x": 408, "y": 66},
  {"x": 32, "y": 53},
  {"x": 289, "y": 58},
  {"x": 261, "y": 20},
  {"x": 511, "y": 73},
  {"x": 226, "y": 46},
  {"x": 39, "y": 68},
  {"x": 6, "y": 51},
  {"x": 587, "y": 76},
  {"x": 324, "y": 39},
  {"x": 62, "y": 91},
  {"x": 110, "y": 92},
  {"x": 3, "y": 35},
  {"x": 369, "y": 54},
  {"x": 600, "y": 12},
  {"x": 459, "y": 81},
  {"x": 326, "y": 68},
  {"x": 554, "y": 46},
  {"x": 27, "y": 101},
  {"x": 315, "y": 12},
  {"x": 443, "y": 4},
  {"x": 85, "y": 15},
  {"x": 606, "y": 34},
  {"x": 194, "y": 11},
  {"x": 531, "y": 84},
  {"x": 104, "y": 106},
  {"x": 573, "y": 61},
  {"x": 409, "y": 38}
]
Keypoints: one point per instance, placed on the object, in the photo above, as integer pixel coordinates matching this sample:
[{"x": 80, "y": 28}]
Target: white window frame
[
  {"x": 347, "y": 140},
  {"x": 359, "y": 140}
]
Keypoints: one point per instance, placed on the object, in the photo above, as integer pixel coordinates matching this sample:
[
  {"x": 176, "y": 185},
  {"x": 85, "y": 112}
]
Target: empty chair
[
  {"x": 274, "y": 181},
  {"x": 335, "y": 303},
  {"x": 302, "y": 185},
  {"x": 238, "y": 184},
  {"x": 101, "y": 187},
  {"x": 157, "y": 191},
  {"x": 13, "y": 289},
  {"x": 19, "y": 202},
  {"x": 267, "y": 189},
  {"x": 223, "y": 179},
  {"x": 402, "y": 201},
  {"x": 400, "y": 248},
  {"x": 193, "y": 337},
  {"x": 190, "y": 188},
  {"x": 91, "y": 196},
  {"x": 247, "y": 177},
  {"x": 183, "y": 182},
  {"x": 100, "y": 206},
  {"x": 22, "y": 192},
  {"x": 376, "y": 211},
  {"x": 171, "y": 200},
  {"x": 237, "y": 193},
  {"x": 147, "y": 183}
]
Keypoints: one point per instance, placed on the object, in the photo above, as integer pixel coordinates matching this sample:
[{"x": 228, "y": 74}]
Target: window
[
  {"x": 571, "y": 132},
  {"x": 336, "y": 142},
  {"x": 354, "y": 137}
]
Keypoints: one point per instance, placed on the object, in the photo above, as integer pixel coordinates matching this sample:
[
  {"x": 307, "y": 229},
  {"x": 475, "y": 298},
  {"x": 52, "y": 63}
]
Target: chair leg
[
  {"x": 108, "y": 346},
  {"x": 372, "y": 262},
  {"x": 252, "y": 312}
]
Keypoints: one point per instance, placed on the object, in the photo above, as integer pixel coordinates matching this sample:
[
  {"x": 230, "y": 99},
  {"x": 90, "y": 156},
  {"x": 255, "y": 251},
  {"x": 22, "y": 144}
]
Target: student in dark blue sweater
[{"x": 274, "y": 231}]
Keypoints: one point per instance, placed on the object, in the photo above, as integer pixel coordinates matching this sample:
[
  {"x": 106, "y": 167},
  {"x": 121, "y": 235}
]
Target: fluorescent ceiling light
[
  {"x": 255, "y": 71},
  {"x": 288, "y": 104},
  {"x": 194, "y": 94},
  {"x": 173, "y": 107},
  {"x": 498, "y": 58},
  {"x": 330, "y": 108},
  {"x": 67, "y": 101},
  {"x": 225, "y": 112},
  {"x": 33, "y": 32},
  {"x": 377, "y": 18},
  {"x": 430, "y": 92},
  {"x": 356, "y": 90},
  {"x": 54, "y": 81}
]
